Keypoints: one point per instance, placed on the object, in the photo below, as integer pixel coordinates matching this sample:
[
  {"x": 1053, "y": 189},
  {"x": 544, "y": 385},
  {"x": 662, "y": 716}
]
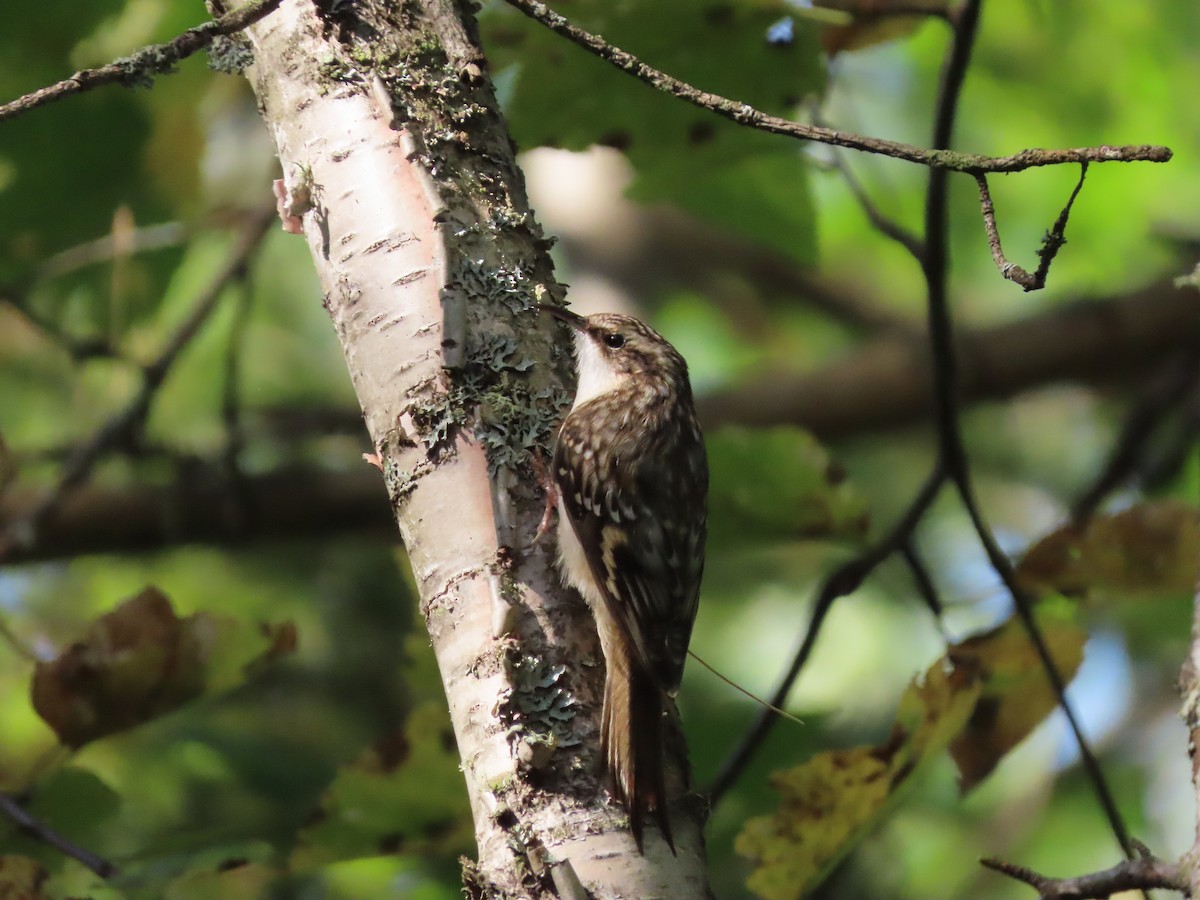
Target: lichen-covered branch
[{"x": 1051, "y": 244}]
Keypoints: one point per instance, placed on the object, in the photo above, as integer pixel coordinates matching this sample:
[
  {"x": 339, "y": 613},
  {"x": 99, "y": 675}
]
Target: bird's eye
[{"x": 614, "y": 340}]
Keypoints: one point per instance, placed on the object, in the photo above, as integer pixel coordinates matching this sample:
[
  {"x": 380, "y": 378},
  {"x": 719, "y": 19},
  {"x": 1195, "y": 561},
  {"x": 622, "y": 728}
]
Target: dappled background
[{"x": 175, "y": 413}]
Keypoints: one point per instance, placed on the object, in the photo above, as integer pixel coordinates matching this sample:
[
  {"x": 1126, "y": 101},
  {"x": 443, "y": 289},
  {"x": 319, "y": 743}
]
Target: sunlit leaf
[
  {"x": 780, "y": 484},
  {"x": 829, "y": 802}
]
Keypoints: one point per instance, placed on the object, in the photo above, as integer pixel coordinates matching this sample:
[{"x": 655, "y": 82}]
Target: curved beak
[{"x": 576, "y": 321}]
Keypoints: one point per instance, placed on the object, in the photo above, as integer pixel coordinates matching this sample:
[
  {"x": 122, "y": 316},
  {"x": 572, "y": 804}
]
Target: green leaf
[
  {"x": 778, "y": 484},
  {"x": 75, "y": 802},
  {"x": 405, "y": 794}
]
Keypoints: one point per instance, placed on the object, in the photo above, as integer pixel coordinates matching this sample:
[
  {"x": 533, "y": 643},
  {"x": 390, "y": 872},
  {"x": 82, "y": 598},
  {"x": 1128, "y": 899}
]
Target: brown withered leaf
[
  {"x": 1016, "y": 693},
  {"x": 873, "y": 22},
  {"x": 1150, "y": 549},
  {"x": 21, "y": 878},
  {"x": 141, "y": 661}
]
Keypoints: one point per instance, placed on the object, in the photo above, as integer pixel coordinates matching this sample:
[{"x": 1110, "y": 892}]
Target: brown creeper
[{"x": 632, "y": 480}]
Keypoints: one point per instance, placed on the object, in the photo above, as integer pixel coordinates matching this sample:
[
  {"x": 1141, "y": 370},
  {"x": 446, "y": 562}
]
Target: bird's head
[{"x": 616, "y": 351}]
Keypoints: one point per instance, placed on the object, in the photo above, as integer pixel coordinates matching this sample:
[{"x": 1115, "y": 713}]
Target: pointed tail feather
[{"x": 632, "y": 744}]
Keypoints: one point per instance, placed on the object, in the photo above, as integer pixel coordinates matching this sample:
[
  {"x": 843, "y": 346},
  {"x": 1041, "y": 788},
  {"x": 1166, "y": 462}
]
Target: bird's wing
[{"x": 643, "y": 535}]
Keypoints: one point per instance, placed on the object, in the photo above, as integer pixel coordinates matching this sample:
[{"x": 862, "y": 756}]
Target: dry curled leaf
[
  {"x": 1146, "y": 550},
  {"x": 141, "y": 661}
]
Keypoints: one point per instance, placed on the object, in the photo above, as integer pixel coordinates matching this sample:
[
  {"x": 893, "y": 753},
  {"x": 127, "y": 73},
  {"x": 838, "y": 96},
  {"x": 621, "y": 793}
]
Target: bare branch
[
  {"x": 1143, "y": 872},
  {"x": 123, "y": 425},
  {"x": 885, "y": 383},
  {"x": 19, "y": 816},
  {"x": 844, "y": 580},
  {"x": 156, "y": 59},
  {"x": 1053, "y": 241},
  {"x": 744, "y": 114},
  {"x": 952, "y": 452},
  {"x": 203, "y": 506}
]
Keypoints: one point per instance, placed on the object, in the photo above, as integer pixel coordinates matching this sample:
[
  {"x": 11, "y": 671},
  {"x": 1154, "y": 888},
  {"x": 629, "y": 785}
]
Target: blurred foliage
[
  {"x": 327, "y": 773},
  {"x": 750, "y": 183}
]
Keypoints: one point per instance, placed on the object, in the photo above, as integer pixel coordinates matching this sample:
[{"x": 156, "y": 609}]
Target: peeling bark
[{"x": 400, "y": 173}]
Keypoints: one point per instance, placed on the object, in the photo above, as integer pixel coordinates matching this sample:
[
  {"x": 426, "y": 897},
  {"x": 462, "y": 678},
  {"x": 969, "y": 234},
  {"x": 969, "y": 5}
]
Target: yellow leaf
[{"x": 829, "y": 802}]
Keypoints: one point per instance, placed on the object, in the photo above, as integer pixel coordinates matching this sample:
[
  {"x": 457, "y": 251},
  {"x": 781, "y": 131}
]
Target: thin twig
[
  {"x": 923, "y": 580},
  {"x": 1175, "y": 387},
  {"x": 142, "y": 240},
  {"x": 884, "y": 224},
  {"x": 952, "y": 451},
  {"x": 1053, "y": 241},
  {"x": 1142, "y": 872},
  {"x": 844, "y": 580},
  {"x": 745, "y": 114},
  {"x": 1189, "y": 690},
  {"x": 122, "y": 426},
  {"x": 138, "y": 69},
  {"x": 20, "y": 817}
]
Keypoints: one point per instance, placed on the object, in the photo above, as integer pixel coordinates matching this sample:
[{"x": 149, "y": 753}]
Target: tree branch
[
  {"x": 138, "y": 69},
  {"x": 1053, "y": 241},
  {"x": 744, "y": 114},
  {"x": 123, "y": 425},
  {"x": 1140, "y": 873},
  {"x": 204, "y": 507},
  {"x": 885, "y": 383},
  {"x": 40, "y": 831}
]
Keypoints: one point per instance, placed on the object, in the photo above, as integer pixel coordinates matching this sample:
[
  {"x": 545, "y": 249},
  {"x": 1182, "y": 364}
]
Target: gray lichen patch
[{"x": 537, "y": 708}]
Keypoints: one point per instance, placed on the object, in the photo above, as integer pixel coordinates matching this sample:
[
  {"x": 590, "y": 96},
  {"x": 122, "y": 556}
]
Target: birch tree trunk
[{"x": 399, "y": 170}]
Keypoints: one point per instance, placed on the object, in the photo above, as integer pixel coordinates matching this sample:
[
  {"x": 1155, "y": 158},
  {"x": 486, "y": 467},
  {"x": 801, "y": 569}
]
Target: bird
[{"x": 631, "y": 474}]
